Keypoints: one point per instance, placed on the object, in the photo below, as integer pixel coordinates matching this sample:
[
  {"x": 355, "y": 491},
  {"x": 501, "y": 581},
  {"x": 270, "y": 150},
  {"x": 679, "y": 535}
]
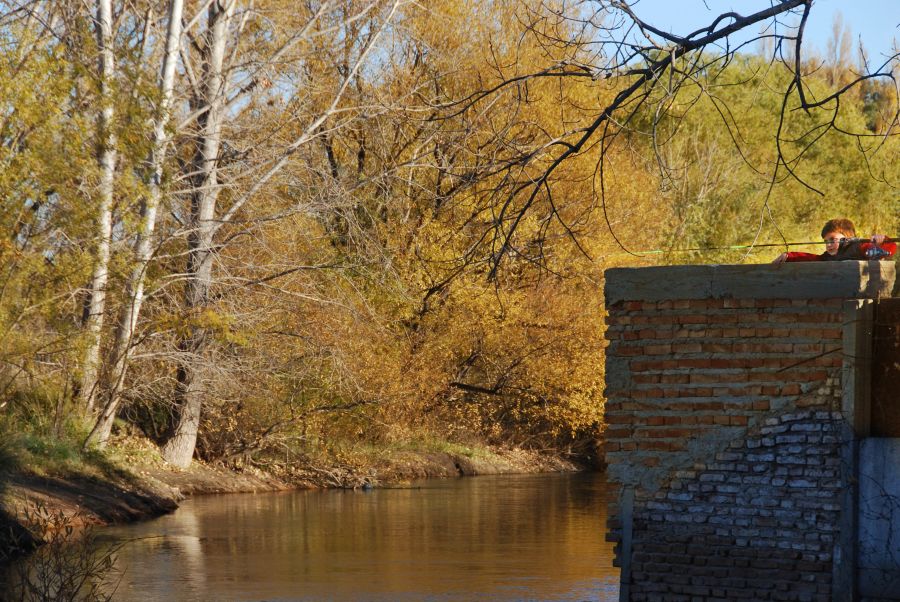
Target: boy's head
[{"x": 835, "y": 231}]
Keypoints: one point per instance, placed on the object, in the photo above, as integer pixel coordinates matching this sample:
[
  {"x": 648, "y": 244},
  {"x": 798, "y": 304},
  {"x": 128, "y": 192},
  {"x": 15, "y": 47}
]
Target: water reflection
[{"x": 484, "y": 538}]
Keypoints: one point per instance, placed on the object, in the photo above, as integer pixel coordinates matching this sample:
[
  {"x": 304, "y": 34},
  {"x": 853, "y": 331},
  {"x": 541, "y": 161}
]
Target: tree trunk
[
  {"x": 107, "y": 161},
  {"x": 143, "y": 246},
  {"x": 179, "y": 447}
]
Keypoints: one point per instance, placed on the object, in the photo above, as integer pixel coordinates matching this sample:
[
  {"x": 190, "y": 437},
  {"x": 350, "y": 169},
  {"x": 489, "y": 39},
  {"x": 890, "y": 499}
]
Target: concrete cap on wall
[{"x": 806, "y": 280}]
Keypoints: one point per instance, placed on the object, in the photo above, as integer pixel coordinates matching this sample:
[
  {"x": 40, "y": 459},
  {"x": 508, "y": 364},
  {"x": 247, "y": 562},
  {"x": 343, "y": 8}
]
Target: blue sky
[{"x": 877, "y": 22}]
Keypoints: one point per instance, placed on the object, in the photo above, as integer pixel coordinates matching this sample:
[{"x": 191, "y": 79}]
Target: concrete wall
[
  {"x": 879, "y": 518},
  {"x": 733, "y": 393}
]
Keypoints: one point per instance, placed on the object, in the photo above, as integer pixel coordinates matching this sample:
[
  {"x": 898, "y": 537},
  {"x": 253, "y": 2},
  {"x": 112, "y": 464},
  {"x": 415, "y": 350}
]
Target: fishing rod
[{"x": 879, "y": 252}]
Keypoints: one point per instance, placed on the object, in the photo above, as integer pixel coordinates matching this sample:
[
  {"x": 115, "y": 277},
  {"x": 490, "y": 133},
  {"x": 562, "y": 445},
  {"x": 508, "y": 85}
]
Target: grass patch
[{"x": 29, "y": 448}]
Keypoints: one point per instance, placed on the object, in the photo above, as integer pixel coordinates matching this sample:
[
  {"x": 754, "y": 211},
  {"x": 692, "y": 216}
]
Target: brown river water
[{"x": 522, "y": 537}]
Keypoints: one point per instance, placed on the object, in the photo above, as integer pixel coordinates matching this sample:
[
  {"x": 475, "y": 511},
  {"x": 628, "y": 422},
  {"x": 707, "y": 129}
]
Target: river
[{"x": 522, "y": 537}]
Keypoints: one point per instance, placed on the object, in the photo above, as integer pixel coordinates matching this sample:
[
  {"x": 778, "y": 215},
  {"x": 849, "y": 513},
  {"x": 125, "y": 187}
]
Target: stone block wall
[{"x": 727, "y": 427}]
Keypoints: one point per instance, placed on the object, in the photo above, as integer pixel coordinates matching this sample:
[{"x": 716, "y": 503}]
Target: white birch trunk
[
  {"x": 107, "y": 162},
  {"x": 143, "y": 246},
  {"x": 179, "y": 447}
]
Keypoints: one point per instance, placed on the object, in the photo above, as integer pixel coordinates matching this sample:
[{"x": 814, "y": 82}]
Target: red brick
[
  {"x": 768, "y": 377},
  {"x": 647, "y": 393},
  {"x": 785, "y": 318},
  {"x": 738, "y": 421},
  {"x": 687, "y": 348},
  {"x": 742, "y": 391},
  {"x": 808, "y": 348},
  {"x": 656, "y": 445},
  {"x": 799, "y": 375},
  {"x": 658, "y": 349},
  {"x": 820, "y": 318},
  {"x": 792, "y": 389},
  {"x": 808, "y": 402},
  {"x": 775, "y": 348},
  {"x": 727, "y": 363},
  {"x": 832, "y": 359},
  {"x": 761, "y": 405},
  {"x": 836, "y": 303},
  {"x": 707, "y": 406},
  {"x": 707, "y": 377},
  {"x": 693, "y": 319},
  {"x": 674, "y": 379},
  {"x": 694, "y": 362},
  {"x": 617, "y": 418},
  {"x": 717, "y": 348},
  {"x": 645, "y": 379},
  {"x": 618, "y": 432}
]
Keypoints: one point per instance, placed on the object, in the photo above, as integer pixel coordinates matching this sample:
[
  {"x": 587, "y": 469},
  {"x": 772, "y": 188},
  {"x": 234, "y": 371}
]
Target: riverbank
[{"x": 138, "y": 485}]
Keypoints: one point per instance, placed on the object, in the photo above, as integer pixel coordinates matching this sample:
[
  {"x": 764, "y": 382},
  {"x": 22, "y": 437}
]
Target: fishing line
[{"x": 844, "y": 242}]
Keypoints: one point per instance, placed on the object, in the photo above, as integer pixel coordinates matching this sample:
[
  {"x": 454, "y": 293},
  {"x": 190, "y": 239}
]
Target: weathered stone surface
[{"x": 810, "y": 280}]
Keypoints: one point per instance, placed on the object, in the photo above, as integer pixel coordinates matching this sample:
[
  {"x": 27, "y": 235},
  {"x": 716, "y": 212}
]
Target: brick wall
[{"x": 724, "y": 413}]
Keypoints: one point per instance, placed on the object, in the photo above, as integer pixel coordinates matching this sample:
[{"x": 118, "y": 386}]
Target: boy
[{"x": 841, "y": 244}]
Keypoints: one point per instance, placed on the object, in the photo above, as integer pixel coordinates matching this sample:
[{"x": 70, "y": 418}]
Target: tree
[
  {"x": 216, "y": 91},
  {"x": 356, "y": 221},
  {"x": 143, "y": 247},
  {"x": 106, "y": 156},
  {"x": 604, "y": 40}
]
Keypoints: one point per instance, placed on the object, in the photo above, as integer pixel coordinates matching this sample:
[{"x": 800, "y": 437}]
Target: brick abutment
[{"x": 733, "y": 404}]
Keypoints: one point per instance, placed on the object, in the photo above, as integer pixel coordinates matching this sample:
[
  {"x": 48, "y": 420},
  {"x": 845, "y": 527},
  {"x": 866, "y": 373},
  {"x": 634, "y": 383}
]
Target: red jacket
[{"x": 854, "y": 249}]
